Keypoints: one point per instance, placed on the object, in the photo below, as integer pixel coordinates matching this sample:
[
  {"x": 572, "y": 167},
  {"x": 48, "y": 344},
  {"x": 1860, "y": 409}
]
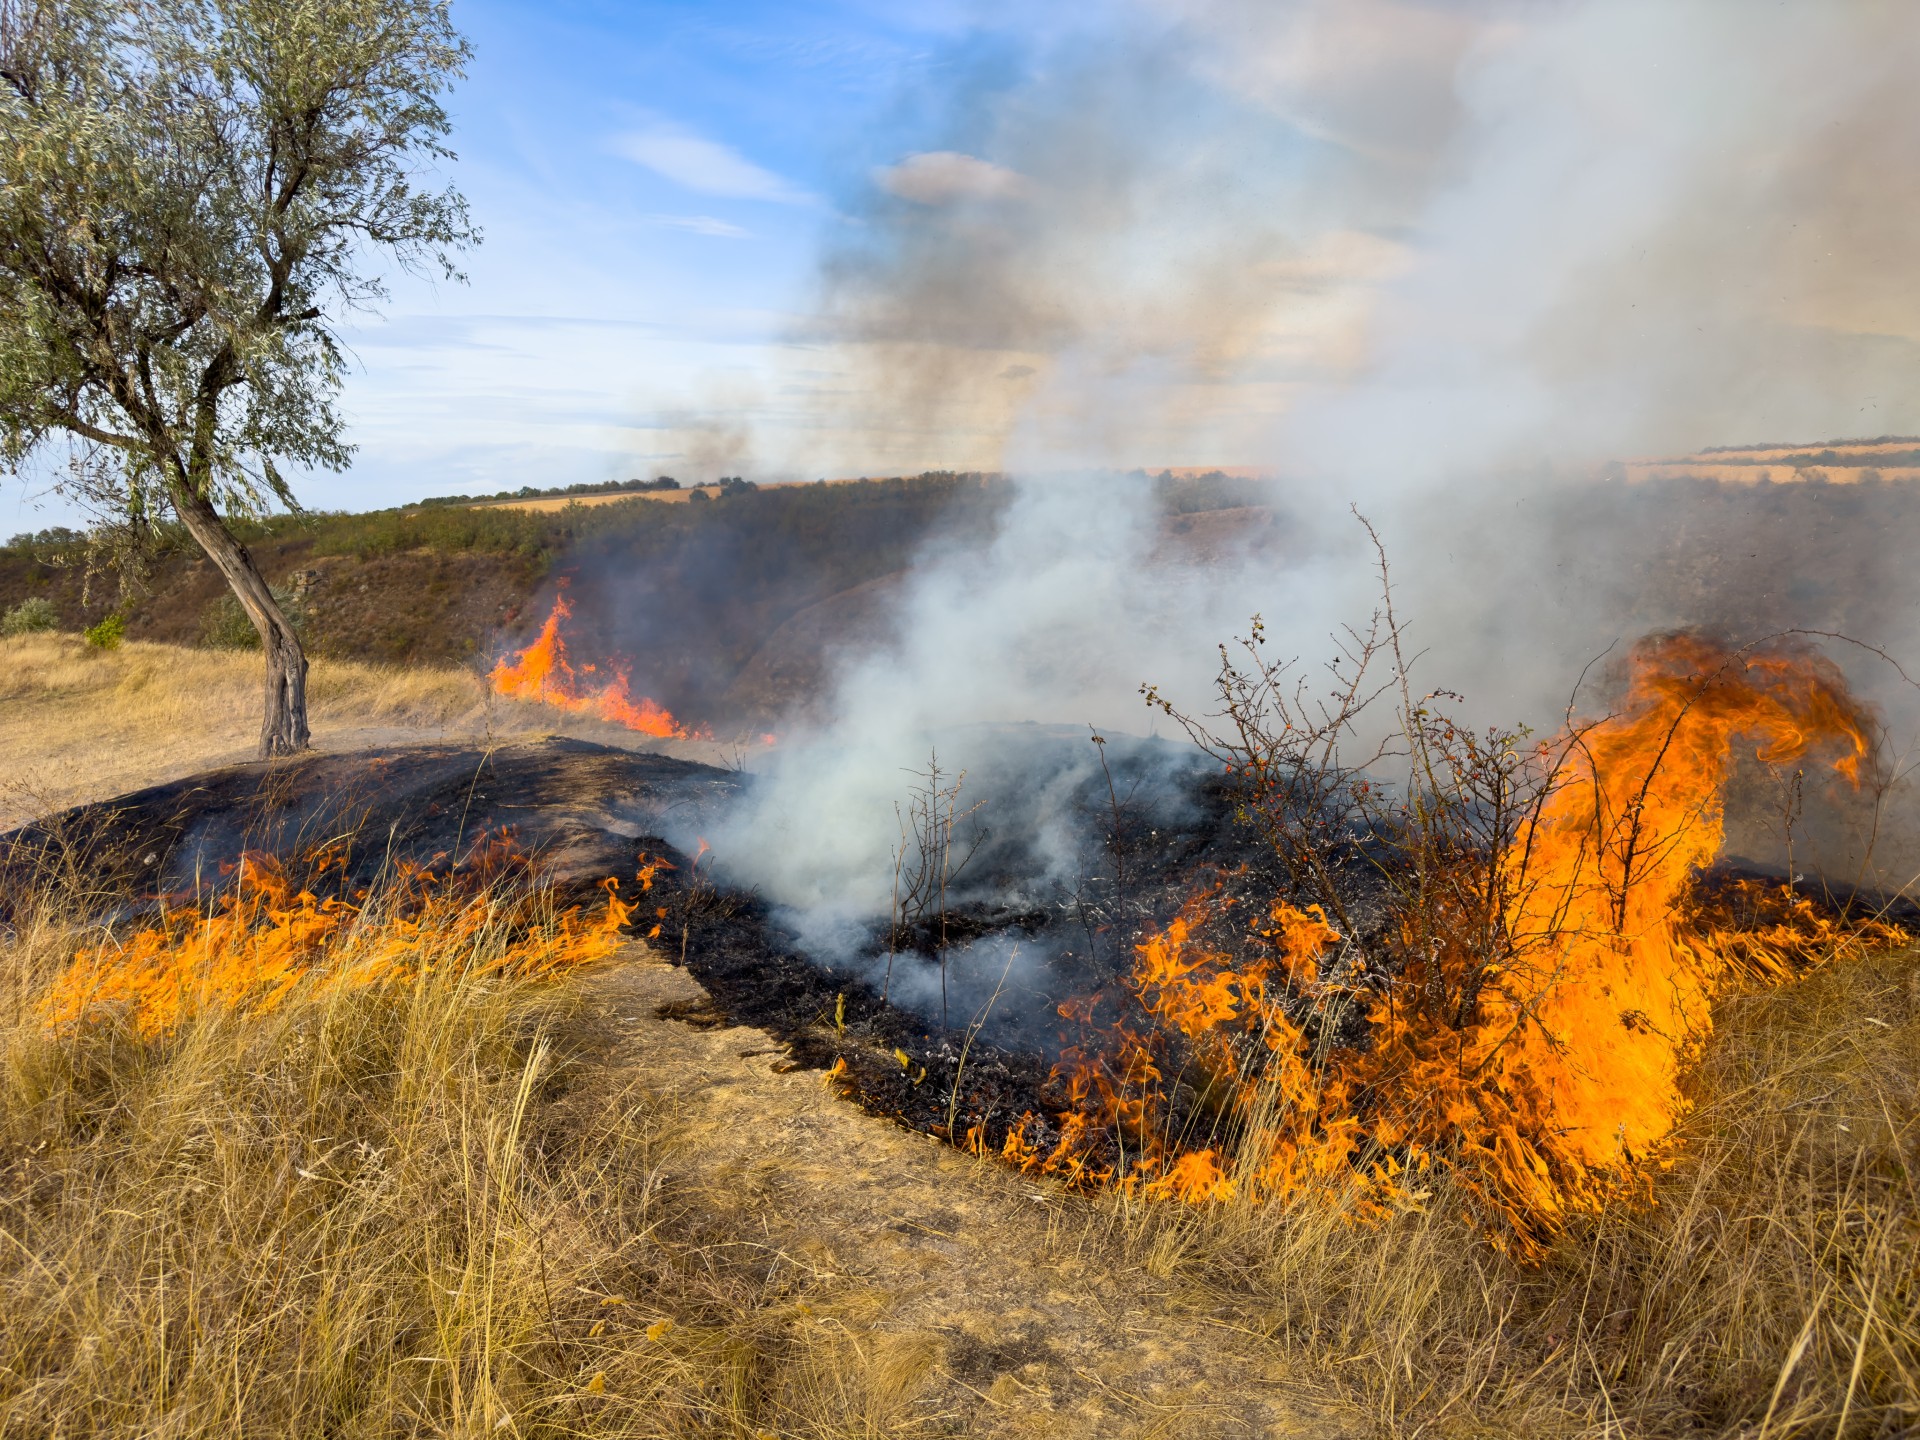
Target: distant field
[
  {"x": 1837, "y": 463},
  {"x": 1640, "y": 472},
  {"x": 546, "y": 503},
  {"x": 560, "y": 502}
]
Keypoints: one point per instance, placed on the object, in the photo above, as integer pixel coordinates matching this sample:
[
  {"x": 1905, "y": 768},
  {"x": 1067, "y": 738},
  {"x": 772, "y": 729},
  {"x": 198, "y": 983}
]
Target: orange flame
[
  {"x": 1549, "y": 1085},
  {"x": 263, "y": 940},
  {"x": 542, "y": 672}
]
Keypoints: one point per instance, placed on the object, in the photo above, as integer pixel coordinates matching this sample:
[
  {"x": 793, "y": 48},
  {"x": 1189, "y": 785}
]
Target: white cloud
[
  {"x": 700, "y": 225},
  {"x": 940, "y": 177},
  {"x": 705, "y": 165}
]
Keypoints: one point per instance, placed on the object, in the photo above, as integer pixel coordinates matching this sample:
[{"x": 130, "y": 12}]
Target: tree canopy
[{"x": 192, "y": 194}]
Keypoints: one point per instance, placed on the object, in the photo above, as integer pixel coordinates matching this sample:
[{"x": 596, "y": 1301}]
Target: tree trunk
[{"x": 283, "y": 730}]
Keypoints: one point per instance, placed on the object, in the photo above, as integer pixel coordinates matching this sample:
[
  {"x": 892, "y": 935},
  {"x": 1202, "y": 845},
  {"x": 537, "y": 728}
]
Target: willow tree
[{"x": 193, "y": 193}]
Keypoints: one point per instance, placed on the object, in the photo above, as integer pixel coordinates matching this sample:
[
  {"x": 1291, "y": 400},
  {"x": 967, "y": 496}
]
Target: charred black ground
[{"x": 1026, "y": 932}]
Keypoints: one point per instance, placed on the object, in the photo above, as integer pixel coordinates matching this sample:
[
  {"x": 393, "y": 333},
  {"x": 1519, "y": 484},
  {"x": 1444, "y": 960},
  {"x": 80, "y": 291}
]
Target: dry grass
[
  {"x": 431, "y": 1210},
  {"x": 1772, "y": 1288},
  {"x": 470, "y": 1207},
  {"x": 78, "y": 724}
]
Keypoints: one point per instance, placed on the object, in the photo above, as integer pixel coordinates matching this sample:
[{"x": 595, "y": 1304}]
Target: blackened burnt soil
[
  {"x": 589, "y": 812},
  {"x": 585, "y": 812}
]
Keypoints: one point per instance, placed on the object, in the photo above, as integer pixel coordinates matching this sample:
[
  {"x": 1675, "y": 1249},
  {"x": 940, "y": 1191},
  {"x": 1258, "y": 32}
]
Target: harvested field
[
  {"x": 541, "y": 504},
  {"x": 544, "y": 504}
]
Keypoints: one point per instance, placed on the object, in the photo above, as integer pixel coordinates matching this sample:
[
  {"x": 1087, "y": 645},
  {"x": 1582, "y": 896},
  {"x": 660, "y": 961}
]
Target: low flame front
[
  {"x": 543, "y": 673},
  {"x": 265, "y": 938},
  {"x": 1547, "y": 1084}
]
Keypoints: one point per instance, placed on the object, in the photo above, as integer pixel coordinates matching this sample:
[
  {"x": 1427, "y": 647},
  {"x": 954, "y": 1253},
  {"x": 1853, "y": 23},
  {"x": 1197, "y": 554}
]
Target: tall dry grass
[
  {"x": 78, "y": 724},
  {"x": 1771, "y": 1287},
  {"x": 431, "y": 1209}
]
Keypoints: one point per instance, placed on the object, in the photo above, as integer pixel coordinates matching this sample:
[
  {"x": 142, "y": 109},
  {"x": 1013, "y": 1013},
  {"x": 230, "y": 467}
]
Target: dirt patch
[{"x": 1002, "y": 1292}]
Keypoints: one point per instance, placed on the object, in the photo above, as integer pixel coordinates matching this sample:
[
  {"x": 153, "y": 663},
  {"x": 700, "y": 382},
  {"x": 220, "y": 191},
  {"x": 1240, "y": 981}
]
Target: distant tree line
[
  {"x": 55, "y": 537},
  {"x": 1823, "y": 446},
  {"x": 585, "y": 487}
]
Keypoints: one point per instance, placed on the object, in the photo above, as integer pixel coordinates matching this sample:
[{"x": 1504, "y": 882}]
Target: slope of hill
[
  {"x": 688, "y": 593},
  {"x": 730, "y": 611}
]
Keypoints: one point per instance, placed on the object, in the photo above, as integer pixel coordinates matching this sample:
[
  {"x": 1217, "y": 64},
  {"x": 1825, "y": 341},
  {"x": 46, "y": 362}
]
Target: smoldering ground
[{"x": 1000, "y": 654}]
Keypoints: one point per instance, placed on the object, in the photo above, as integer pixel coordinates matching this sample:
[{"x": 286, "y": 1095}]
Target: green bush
[
  {"x": 29, "y": 616},
  {"x": 224, "y": 624},
  {"x": 108, "y": 634}
]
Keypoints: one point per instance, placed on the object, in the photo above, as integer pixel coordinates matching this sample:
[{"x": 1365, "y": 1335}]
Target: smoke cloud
[
  {"x": 1437, "y": 260},
  {"x": 1367, "y": 238}
]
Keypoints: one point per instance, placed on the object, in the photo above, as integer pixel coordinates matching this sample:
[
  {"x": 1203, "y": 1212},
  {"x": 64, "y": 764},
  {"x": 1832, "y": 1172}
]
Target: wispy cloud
[
  {"x": 704, "y": 165},
  {"x": 700, "y": 225}
]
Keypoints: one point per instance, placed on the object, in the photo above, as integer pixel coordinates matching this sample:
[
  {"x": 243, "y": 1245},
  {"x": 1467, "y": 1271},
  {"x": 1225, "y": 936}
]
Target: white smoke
[
  {"x": 1000, "y": 658},
  {"x": 1434, "y": 258}
]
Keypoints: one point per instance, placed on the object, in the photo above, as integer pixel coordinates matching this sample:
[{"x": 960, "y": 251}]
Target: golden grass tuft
[{"x": 434, "y": 1208}]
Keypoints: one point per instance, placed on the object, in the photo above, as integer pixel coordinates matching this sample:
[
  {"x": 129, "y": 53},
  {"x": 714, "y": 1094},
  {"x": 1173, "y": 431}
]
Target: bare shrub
[{"x": 925, "y": 867}]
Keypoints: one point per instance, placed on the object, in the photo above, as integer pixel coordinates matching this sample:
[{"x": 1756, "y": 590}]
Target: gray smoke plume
[{"x": 1439, "y": 260}]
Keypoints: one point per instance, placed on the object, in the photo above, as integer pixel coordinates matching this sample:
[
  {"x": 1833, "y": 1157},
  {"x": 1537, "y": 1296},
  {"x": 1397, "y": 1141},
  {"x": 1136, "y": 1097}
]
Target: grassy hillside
[
  {"x": 692, "y": 594},
  {"x": 443, "y": 583},
  {"x": 687, "y": 592}
]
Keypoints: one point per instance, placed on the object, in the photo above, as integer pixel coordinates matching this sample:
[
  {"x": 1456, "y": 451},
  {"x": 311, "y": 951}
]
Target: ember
[
  {"x": 543, "y": 673},
  {"x": 1528, "y": 1015}
]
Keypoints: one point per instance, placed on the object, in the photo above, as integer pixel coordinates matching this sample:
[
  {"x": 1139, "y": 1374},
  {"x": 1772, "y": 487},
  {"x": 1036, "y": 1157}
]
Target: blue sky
[
  {"x": 654, "y": 181},
  {"x": 1348, "y": 238}
]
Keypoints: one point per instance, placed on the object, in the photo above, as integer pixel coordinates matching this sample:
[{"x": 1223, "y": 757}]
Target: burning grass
[
  {"x": 544, "y": 674},
  {"x": 1531, "y": 997},
  {"x": 1767, "y": 1287},
  {"x": 265, "y": 938},
  {"x": 303, "y": 1204},
  {"x": 1688, "y": 1119}
]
